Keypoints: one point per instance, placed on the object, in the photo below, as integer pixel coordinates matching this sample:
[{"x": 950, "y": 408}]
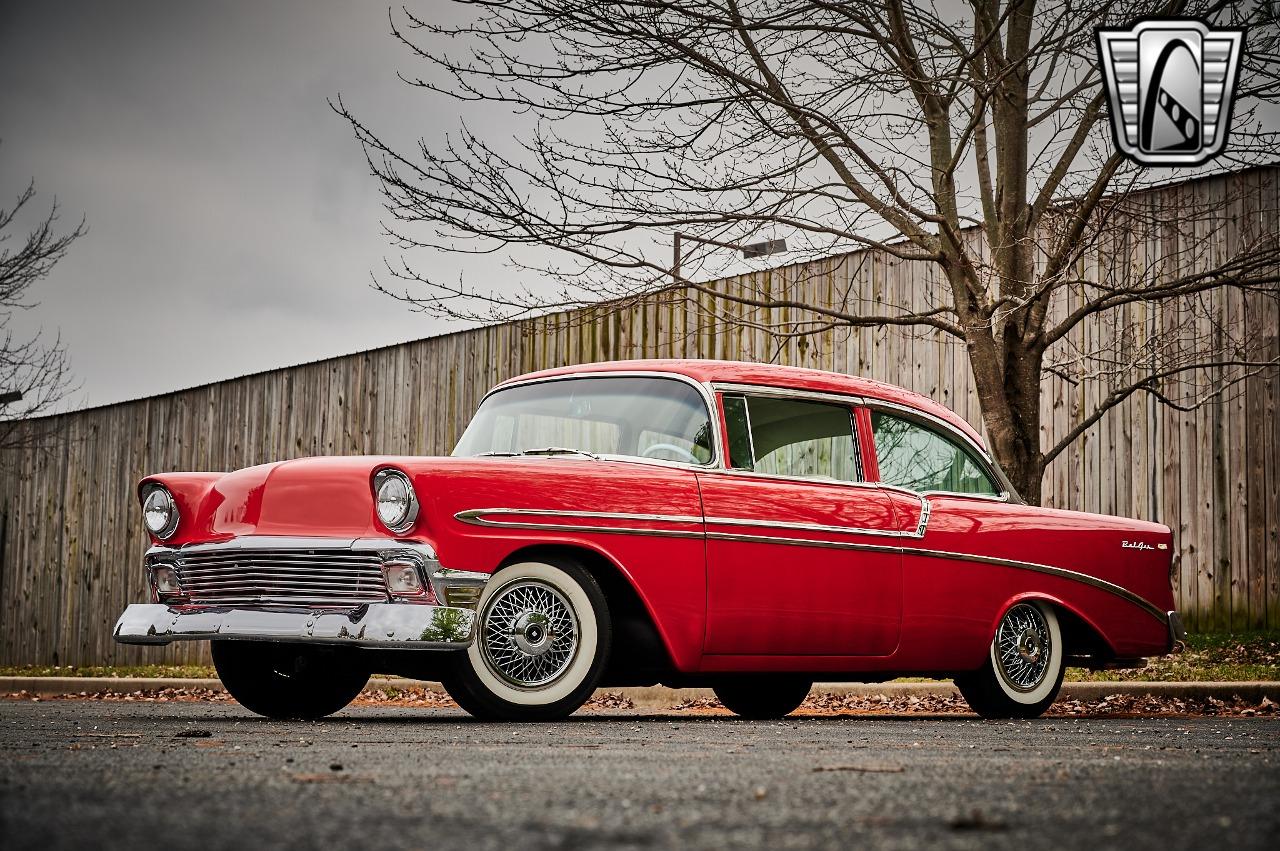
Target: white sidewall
[
  {"x": 588, "y": 637},
  {"x": 1028, "y": 698}
]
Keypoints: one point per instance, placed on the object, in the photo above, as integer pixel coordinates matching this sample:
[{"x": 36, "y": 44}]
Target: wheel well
[
  {"x": 1082, "y": 645},
  {"x": 639, "y": 656}
]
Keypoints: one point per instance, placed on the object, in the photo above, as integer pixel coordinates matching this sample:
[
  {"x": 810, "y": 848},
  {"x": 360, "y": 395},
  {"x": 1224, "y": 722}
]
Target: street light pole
[
  {"x": 675, "y": 265},
  {"x": 754, "y": 249}
]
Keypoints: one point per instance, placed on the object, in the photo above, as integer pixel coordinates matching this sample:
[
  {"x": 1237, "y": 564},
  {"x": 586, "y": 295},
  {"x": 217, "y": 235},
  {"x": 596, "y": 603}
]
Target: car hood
[{"x": 333, "y": 496}]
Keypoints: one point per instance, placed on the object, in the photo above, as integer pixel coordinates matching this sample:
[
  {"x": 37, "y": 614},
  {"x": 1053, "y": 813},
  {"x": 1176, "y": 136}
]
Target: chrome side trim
[
  {"x": 1062, "y": 572},
  {"x": 804, "y": 542},
  {"x": 1152, "y": 609},
  {"x": 811, "y": 527},
  {"x": 704, "y": 390},
  {"x": 478, "y": 517},
  {"x": 734, "y": 471}
]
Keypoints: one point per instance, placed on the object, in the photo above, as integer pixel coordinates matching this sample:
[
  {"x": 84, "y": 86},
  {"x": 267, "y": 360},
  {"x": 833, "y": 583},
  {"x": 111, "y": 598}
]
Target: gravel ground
[{"x": 200, "y": 774}]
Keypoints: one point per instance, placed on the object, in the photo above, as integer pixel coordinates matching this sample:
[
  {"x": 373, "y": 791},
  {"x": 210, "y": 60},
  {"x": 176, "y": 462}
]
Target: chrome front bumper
[
  {"x": 317, "y": 590},
  {"x": 383, "y": 625}
]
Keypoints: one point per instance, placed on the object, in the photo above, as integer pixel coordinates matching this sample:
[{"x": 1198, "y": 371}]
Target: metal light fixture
[{"x": 749, "y": 251}]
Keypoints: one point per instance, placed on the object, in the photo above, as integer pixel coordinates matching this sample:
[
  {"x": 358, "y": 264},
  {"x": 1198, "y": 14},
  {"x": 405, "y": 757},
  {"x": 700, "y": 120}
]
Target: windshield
[{"x": 658, "y": 418}]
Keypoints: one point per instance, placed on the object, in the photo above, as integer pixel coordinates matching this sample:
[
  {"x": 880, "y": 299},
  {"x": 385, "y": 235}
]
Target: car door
[
  {"x": 949, "y": 600},
  {"x": 802, "y": 555}
]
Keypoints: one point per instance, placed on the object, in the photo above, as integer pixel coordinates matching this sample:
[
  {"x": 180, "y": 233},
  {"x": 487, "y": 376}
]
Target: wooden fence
[{"x": 71, "y": 540}]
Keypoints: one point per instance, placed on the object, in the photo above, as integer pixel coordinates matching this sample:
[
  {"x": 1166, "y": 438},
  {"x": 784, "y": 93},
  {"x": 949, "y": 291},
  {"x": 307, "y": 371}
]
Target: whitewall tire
[
  {"x": 542, "y": 639},
  {"x": 1023, "y": 671}
]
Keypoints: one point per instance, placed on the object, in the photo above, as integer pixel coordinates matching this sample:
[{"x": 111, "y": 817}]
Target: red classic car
[{"x": 746, "y": 527}]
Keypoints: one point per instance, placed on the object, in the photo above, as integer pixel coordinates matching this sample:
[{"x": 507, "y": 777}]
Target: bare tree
[
  {"x": 969, "y": 137},
  {"x": 33, "y": 369}
]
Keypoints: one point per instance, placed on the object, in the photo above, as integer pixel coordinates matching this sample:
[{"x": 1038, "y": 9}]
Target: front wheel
[
  {"x": 1023, "y": 672},
  {"x": 281, "y": 680},
  {"x": 762, "y": 698},
  {"x": 542, "y": 639}
]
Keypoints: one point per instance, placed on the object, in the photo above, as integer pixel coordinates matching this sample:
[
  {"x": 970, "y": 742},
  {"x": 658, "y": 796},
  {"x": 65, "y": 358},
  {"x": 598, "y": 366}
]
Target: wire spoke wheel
[
  {"x": 529, "y": 634},
  {"x": 1023, "y": 647}
]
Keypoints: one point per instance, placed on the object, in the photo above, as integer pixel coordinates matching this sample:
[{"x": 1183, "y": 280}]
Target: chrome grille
[{"x": 313, "y": 578}]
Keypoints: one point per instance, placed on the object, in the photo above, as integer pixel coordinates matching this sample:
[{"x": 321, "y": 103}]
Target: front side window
[
  {"x": 656, "y": 418},
  {"x": 791, "y": 437},
  {"x": 913, "y": 456}
]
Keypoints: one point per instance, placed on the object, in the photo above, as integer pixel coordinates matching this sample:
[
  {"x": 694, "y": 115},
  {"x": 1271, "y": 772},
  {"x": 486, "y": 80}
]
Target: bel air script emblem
[
  {"x": 1141, "y": 545},
  {"x": 1170, "y": 84}
]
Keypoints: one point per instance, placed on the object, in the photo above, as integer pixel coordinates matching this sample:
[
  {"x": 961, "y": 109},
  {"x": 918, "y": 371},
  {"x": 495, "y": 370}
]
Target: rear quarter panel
[{"x": 952, "y": 605}]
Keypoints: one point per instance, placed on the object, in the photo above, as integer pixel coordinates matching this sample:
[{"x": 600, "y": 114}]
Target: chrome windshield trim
[{"x": 704, "y": 391}]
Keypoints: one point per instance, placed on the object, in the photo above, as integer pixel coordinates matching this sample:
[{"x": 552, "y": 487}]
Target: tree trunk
[{"x": 1007, "y": 377}]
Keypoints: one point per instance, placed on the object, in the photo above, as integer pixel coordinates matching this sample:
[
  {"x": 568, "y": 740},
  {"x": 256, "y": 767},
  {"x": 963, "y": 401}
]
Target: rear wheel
[
  {"x": 542, "y": 639},
  {"x": 281, "y": 680},
  {"x": 762, "y": 697},
  {"x": 1023, "y": 672}
]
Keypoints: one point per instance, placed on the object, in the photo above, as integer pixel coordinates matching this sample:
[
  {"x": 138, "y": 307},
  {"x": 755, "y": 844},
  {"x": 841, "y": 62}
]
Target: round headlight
[
  {"x": 159, "y": 512},
  {"x": 397, "y": 504}
]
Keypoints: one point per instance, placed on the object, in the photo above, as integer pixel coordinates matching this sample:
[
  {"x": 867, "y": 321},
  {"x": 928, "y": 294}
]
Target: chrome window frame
[
  {"x": 704, "y": 392},
  {"x": 850, "y": 403},
  {"x": 947, "y": 430}
]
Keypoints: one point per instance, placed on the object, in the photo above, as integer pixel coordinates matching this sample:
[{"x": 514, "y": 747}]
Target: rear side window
[
  {"x": 913, "y": 456},
  {"x": 791, "y": 437}
]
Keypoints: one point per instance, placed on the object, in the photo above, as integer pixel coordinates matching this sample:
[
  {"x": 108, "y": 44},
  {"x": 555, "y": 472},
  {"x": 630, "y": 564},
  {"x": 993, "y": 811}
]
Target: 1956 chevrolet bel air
[{"x": 745, "y": 527}]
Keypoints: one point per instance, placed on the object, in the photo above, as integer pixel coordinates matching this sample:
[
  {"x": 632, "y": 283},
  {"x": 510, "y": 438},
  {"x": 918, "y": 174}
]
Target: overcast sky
[{"x": 232, "y": 223}]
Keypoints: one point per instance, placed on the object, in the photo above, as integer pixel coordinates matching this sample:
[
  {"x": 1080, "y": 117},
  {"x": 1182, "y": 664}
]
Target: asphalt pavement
[{"x": 114, "y": 774}]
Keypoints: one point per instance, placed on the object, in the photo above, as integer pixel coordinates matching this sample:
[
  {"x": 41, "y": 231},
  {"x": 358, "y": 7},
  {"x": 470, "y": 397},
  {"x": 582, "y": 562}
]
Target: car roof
[{"x": 770, "y": 375}]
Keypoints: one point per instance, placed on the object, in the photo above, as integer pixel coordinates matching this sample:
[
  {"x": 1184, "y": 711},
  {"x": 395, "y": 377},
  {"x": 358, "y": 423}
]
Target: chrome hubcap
[
  {"x": 1023, "y": 647},
  {"x": 530, "y": 634}
]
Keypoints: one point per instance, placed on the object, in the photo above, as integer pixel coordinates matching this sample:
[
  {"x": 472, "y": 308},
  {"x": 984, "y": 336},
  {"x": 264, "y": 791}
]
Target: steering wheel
[{"x": 669, "y": 447}]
